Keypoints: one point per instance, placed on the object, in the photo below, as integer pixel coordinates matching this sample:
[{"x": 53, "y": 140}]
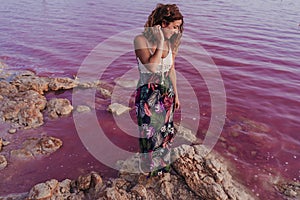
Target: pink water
[{"x": 255, "y": 46}]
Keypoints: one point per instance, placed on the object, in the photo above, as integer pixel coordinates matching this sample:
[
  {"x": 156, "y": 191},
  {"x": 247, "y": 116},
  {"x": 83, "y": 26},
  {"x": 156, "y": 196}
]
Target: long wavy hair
[{"x": 164, "y": 13}]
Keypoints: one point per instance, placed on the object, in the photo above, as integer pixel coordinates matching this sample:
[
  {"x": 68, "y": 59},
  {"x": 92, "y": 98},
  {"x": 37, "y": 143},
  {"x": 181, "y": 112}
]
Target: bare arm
[
  {"x": 151, "y": 61},
  {"x": 172, "y": 75}
]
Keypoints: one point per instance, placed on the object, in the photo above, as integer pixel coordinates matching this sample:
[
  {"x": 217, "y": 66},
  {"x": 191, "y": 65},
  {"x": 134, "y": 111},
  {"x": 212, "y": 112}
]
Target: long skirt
[{"x": 154, "y": 108}]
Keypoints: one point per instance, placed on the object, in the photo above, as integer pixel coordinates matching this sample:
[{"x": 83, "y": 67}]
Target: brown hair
[{"x": 164, "y": 13}]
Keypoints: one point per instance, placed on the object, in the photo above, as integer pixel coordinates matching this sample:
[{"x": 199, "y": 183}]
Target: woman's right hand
[{"x": 158, "y": 33}]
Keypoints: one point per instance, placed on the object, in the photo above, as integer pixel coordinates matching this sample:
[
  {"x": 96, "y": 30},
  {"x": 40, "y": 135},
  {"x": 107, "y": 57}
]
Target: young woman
[{"x": 156, "y": 95}]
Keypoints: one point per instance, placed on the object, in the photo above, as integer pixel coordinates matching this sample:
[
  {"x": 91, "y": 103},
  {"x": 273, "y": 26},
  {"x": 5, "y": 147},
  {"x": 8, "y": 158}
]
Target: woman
[{"x": 156, "y": 95}]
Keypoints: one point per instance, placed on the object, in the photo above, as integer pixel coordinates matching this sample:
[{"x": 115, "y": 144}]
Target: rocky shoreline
[{"x": 196, "y": 174}]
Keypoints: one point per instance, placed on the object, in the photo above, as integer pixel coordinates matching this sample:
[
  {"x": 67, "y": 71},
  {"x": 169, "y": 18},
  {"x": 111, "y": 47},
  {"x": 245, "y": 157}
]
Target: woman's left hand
[{"x": 177, "y": 103}]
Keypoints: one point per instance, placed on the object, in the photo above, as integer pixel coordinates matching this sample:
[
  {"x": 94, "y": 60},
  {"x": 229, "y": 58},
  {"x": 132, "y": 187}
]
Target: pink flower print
[
  {"x": 147, "y": 110},
  {"x": 159, "y": 108},
  {"x": 168, "y": 102},
  {"x": 150, "y": 132}
]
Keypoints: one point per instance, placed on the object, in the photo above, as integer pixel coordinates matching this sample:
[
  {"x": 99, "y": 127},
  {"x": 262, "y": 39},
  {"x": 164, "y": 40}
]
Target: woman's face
[{"x": 171, "y": 29}]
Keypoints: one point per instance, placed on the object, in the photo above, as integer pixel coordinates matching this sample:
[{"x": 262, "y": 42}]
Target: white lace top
[
  {"x": 164, "y": 66},
  {"x": 161, "y": 71}
]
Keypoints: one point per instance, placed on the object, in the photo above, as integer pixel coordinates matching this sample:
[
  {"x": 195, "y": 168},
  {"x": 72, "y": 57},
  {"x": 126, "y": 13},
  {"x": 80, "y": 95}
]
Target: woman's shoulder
[
  {"x": 141, "y": 42},
  {"x": 140, "y": 39}
]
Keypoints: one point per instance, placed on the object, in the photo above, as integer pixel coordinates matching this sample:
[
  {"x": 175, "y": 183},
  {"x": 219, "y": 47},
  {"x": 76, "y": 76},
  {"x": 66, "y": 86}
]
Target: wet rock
[
  {"x": 289, "y": 189},
  {"x": 62, "y": 83},
  {"x": 21, "y": 154},
  {"x": 22, "y": 100},
  {"x": 5, "y": 143},
  {"x": 105, "y": 93},
  {"x": 126, "y": 83},
  {"x": 251, "y": 125},
  {"x": 140, "y": 191},
  {"x": 117, "y": 108},
  {"x": 207, "y": 175},
  {"x": 83, "y": 108},
  {"x": 59, "y": 107},
  {"x": 20, "y": 196},
  {"x": 89, "y": 84},
  {"x": 49, "y": 145},
  {"x": 43, "y": 190},
  {"x": 12, "y": 130},
  {"x": 1, "y": 144},
  {"x": 84, "y": 182},
  {"x": 185, "y": 133},
  {"x": 7, "y": 90},
  {"x": 3, "y": 162},
  {"x": 23, "y": 108},
  {"x": 36, "y": 147},
  {"x": 235, "y": 130},
  {"x": 25, "y": 82}
]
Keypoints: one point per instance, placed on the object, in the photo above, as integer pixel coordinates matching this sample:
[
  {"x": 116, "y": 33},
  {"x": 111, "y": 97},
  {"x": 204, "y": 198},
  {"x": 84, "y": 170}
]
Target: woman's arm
[
  {"x": 151, "y": 61},
  {"x": 172, "y": 75}
]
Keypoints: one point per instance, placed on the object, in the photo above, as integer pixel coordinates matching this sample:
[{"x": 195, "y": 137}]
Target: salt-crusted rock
[
  {"x": 23, "y": 108},
  {"x": 1, "y": 144},
  {"x": 62, "y": 83},
  {"x": 289, "y": 189},
  {"x": 207, "y": 175},
  {"x": 43, "y": 191},
  {"x": 35, "y": 147},
  {"x": 12, "y": 130},
  {"x": 140, "y": 191},
  {"x": 59, "y": 107},
  {"x": 185, "y": 133},
  {"x": 83, "y": 108},
  {"x": 3, "y": 162},
  {"x": 105, "y": 93},
  {"x": 6, "y": 89},
  {"x": 25, "y": 82},
  {"x": 117, "y": 108},
  {"x": 126, "y": 83},
  {"x": 22, "y": 100}
]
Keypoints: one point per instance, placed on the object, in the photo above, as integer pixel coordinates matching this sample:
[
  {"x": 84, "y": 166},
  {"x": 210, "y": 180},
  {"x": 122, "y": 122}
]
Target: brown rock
[
  {"x": 83, "y": 108},
  {"x": 12, "y": 131},
  {"x": 288, "y": 189},
  {"x": 59, "y": 107},
  {"x": 35, "y": 147},
  {"x": 1, "y": 144},
  {"x": 84, "y": 182},
  {"x": 117, "y": 108},
  {"x": 23, "y": 108},
  {"x": 140, "y": 191},
  {"x": 212, "y": 180},
  {"x": 113, "y": 193},
  {"x": 25, "y": 82},
  {"x": 49, "y": 144},
  {"x": 62, "y": 83},
  {"x": 6, "y": 89},
  {"x": 43, "y": 191},
  {"x": 3, "y": 162},
  {"x": 105, "y": 93},
  {"x": 21, "y": 154}
]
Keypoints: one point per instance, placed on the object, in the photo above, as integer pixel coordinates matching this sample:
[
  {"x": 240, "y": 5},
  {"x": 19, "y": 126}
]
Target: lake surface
[{"x": 254, "y": 45}]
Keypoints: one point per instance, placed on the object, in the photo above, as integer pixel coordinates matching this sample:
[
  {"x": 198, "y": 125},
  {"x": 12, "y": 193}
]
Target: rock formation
[
  {"x": 195, "y": 175},
  {"x": 22, "y": 102},
  {"x": 36, "y": 147}
]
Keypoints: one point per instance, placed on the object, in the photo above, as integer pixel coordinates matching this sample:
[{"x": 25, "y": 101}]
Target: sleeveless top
[{"x": 162, "y": 69}]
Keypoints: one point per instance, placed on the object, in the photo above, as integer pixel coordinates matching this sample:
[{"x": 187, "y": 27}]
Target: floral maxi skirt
[{"x": 154, "y": 108}]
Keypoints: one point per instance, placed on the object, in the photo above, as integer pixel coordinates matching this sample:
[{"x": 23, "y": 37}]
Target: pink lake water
[{"x": 255, "y": 46}]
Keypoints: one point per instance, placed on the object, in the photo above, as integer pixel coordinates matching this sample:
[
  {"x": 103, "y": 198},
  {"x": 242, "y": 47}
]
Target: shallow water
[{"x": 255, "y": 46}]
